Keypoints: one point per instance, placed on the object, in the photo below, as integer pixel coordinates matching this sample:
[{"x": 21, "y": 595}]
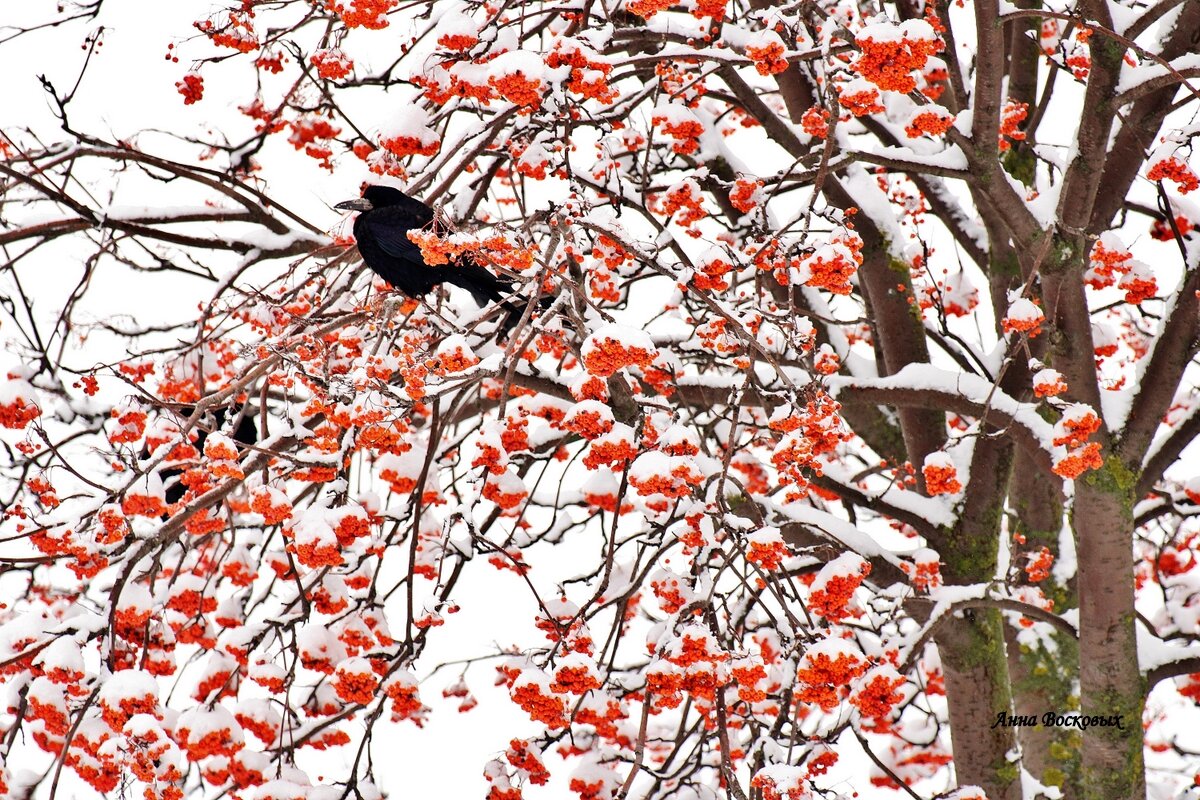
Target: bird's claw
[{"x": 391, "y": 306}]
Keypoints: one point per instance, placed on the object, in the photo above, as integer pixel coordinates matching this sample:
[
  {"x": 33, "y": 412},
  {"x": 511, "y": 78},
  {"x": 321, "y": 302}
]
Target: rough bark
[
  {"x": 972, "y": 647},
  {"x": 977, "y": 685},
  {"x": 1042, "y": 677},
  {"x": 1110, "y": 680}
]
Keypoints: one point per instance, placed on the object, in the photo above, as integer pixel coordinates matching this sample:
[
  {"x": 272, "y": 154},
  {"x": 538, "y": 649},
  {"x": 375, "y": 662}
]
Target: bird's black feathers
[
  {"x": 381, "y": 231},
  {"x": 245, "y": 432},
  {"x": 413, "y": 211}
]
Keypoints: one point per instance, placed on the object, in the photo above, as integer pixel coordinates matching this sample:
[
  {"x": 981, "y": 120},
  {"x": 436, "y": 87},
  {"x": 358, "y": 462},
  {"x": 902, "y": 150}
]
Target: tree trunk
[
  {"x": 977, "y": 690},
  {"x": 1110, "y": 681},
  {"x": 972, "y": 645},
  {"x": 1041, "y": 681},
  {"x": 1043, "y": 678}
]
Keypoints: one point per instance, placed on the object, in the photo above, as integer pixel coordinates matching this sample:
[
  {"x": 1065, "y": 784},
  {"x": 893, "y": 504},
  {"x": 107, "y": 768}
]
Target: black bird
[
  {"x": 245, "y": 433},
  {"x": 381, "y": 230}
]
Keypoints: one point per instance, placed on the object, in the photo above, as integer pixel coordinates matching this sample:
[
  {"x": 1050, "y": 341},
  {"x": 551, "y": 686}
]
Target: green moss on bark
[
  {"x": 1020, "y": 163},
  {"x": 1006, "y": 264},
  {"x": 1048, "y": 681},
  {"x": 969, "y": 556},
  {"x": 973, "y": 650},
  {"x": 1113, "y": 478},
  {"x": 1007, "y": 771},
  {"x": 1061, "y": 255}
]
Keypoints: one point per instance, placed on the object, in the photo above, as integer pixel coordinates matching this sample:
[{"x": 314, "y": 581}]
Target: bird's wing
[{"x": 393, "y": 239}]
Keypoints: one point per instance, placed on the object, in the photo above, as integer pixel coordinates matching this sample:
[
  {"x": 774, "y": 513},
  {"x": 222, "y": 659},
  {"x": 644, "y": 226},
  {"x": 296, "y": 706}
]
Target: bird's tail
[
  {"x": 514, "y": 309},
  {"x": 487, "y": 288},
  {"x": 484, "y": 286}
]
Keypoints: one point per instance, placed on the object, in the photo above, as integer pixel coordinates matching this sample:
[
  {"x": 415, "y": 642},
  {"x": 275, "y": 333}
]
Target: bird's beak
[{"x": 357, "y": 204}]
